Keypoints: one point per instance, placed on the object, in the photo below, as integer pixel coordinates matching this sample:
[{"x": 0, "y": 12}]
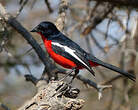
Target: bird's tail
[{"x": 111, "y": 67}]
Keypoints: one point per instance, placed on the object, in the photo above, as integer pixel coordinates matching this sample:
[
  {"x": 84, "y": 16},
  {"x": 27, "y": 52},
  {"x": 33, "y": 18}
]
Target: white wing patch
[{"x": 70, "y": 51}]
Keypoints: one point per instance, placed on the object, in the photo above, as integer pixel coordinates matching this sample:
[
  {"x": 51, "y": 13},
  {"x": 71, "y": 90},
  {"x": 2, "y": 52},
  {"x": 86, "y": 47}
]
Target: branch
[
  {"x": 126, "y": 3},
  {"x": 97, "y": 43},
  {"x": 50, "y": 97},
  {"x": 22, "y": 6},
  {"x": 48, "y": 6},
  {"x": 97, "y": 20},
  {"x": 31, "y": 78},
  {"x": 98, "y": 87},
  {"x": 28, "y": 37},
  {"x": 4, "y": 106},
  {"x": 62, "y": 14},
  {"x": 112, "y": 79}
]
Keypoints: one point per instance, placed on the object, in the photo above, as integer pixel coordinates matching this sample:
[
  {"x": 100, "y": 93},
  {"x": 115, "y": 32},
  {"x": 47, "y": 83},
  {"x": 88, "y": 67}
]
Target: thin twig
[
  {"x": 110, "y": 36},
  {"x": 125, "y": 3},
  {"x": 88, "y": 44},
  {"x": 97, "y": 43},
  {"x": 112, "y": 79},
  {"x": 107, "y": 30},
  {"x": 48, "y": 6},
  {"x": 31, "y": 78},
  {"x": 97, "y": 20},
  {"x": 4, "y": 106},
  {"x": 23, "y": 3}
]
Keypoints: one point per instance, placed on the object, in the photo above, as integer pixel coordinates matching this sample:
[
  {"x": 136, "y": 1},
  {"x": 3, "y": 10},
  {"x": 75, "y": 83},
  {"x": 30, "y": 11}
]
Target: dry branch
[
  {"x": 53, "y": 97},
  {"x": 28, "y": 37},
  {"x": 98, "y": 18},
  {"x": 4, "y": 106},
  {"x": 126, "y": 3},
  {"x": 62, "y": 14},
  {"x": 48, "y": 6}
]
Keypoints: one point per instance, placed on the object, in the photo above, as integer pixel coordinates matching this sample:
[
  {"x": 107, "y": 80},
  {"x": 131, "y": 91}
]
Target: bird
[{"x": 69, "y": 54}]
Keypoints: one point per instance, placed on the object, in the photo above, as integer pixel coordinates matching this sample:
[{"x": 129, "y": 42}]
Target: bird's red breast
[{"x": 66, "y": 63}]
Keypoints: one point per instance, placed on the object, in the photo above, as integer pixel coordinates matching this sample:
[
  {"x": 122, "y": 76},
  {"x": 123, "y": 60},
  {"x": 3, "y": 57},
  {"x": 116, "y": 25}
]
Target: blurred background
[{"x": 107, "y": 30}]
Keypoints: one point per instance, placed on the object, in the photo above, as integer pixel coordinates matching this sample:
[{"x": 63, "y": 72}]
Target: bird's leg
[
  {"x": 76, "y": 73},
  {"x": 68, "y": 74}
]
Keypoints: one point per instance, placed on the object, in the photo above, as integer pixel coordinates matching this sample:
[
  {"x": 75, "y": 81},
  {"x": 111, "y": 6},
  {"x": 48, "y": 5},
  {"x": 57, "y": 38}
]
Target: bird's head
[{"x": 46, "y": 28}]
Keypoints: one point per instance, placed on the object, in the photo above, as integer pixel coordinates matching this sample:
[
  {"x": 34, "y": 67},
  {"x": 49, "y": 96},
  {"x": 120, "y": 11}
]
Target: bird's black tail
[{"x": 111, "y": 67}]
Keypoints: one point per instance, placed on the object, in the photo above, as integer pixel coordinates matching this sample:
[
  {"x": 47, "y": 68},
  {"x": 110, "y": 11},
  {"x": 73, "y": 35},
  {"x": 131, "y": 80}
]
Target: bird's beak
[{"x": 34, "y": 29}]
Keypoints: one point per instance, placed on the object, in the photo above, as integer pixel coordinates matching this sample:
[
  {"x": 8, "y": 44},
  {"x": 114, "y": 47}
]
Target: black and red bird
[{"x": 68, "y": 54}]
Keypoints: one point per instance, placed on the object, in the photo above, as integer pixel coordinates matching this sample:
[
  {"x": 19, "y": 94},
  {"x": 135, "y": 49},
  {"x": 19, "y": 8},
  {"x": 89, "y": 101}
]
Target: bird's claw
[{"x": 66, "y": 90}]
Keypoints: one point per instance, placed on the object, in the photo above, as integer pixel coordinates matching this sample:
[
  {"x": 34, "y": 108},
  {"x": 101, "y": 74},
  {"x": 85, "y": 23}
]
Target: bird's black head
[{"x": 46, "y": 28}]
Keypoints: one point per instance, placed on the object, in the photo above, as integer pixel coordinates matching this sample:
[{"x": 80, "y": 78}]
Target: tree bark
[{"x": 54, "y": 96}]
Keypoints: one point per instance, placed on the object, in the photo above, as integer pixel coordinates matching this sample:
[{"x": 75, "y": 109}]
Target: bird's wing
[{"x": 70, "y": 50}]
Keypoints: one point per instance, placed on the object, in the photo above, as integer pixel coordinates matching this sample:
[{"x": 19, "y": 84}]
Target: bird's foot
[
  {"x": 66, "y": 90},
  {"x": 68, "y": 73}
]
